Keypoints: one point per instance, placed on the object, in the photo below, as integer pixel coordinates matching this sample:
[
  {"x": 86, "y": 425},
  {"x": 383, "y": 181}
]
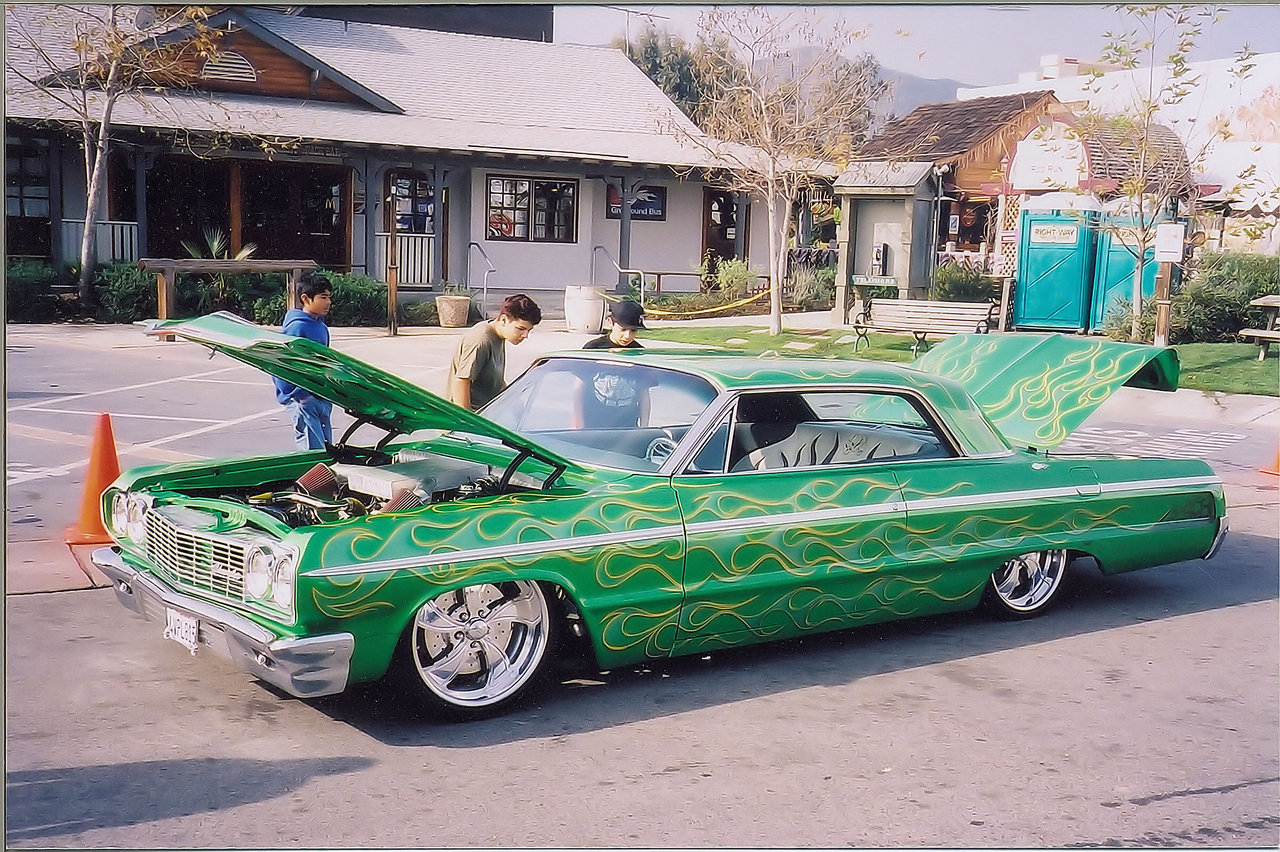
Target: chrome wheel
[
  {"x": 478, "y": 647},
  {"x": 1027, "y": 584}
]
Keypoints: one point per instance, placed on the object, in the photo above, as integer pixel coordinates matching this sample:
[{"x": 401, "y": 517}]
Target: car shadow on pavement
[
  {"x": 124, "y": 794},
  {"x": 584, "y": 700}
]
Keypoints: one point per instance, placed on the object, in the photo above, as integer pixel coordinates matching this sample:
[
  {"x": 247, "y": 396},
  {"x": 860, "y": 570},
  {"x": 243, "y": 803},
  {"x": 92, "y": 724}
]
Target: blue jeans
[{"x": 311, "y": 426}]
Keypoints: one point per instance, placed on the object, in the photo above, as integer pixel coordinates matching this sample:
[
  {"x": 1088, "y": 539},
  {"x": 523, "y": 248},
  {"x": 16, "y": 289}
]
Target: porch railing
[
  {"x": 413, "y": 255},
  {"x": 115, "y": 240}
]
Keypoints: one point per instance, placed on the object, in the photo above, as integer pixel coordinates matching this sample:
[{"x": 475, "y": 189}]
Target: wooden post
[
  {"x": 291, "y": 290},
  {"x": 236, "y": 195},
  {"x": 393, "y": 266},
  {"x": 166, "y": 296},
  {"x": 1164, "y": 273}
]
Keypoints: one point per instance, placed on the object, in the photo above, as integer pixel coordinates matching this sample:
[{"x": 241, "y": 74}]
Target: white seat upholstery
[{"x": 813, "y": 444}]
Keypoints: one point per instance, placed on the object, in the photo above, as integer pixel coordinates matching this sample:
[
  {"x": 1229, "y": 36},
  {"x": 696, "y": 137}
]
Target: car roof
[{"x": 735, "y": 371}]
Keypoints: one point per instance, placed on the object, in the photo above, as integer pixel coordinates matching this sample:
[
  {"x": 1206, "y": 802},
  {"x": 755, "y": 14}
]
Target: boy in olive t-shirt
[{"x": 477, "y": 372}]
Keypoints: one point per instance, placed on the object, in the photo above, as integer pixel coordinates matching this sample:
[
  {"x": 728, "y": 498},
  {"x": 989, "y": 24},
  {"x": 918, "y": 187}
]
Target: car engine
[{"x": 340, "y": 490}]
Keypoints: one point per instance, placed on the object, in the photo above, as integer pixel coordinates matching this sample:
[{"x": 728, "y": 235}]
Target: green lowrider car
[{"x": 642, "y": 504}]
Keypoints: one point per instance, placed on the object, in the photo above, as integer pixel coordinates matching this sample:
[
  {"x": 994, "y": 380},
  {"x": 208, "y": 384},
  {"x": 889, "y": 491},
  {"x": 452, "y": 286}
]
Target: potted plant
[{"x": 454, "y": 305}]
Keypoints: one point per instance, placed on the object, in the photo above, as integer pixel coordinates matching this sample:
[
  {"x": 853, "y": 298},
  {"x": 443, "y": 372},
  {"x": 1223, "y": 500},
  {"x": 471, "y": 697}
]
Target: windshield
[{"x": 625, "y": 415}]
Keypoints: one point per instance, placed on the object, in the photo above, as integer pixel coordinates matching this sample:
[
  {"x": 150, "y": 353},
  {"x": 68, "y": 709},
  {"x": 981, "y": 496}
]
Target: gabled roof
[
  {"x": 426, "y": 90},
  {"x": 946, "y": 132},
  {"x": 882, "y": 177}
]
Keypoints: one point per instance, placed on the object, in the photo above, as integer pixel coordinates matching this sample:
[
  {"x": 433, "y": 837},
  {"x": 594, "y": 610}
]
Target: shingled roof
[
  {"x": 424, "y": 90},
  {"x": 946, "y": 132},
  {"x": 1117, "y": 151}
]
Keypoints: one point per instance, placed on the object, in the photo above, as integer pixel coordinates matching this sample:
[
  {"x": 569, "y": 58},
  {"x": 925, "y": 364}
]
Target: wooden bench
[
  {"x": 922, "y": 318},
  {"x": 1264, "y": 336}
]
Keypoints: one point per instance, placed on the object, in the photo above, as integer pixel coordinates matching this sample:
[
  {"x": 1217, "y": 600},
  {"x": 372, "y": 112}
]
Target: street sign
[{"x": 1169, "y": 238}]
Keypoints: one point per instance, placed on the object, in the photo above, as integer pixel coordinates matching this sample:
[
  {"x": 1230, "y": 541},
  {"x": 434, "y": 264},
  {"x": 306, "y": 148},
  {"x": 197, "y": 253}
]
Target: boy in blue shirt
[{"x": 312, "y": 428}]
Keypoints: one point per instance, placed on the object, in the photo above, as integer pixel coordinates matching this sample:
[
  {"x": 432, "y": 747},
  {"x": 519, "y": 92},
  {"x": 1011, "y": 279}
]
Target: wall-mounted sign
[
  {"x": 1054, "y": 233},
  {"x": 873, "y": 280},
  {"x": 650, "y": 204},
  {"x": 1050, "y": 157}
]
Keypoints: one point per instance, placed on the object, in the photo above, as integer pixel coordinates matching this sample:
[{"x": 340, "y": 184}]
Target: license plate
[{"x": 183, "y": 629}]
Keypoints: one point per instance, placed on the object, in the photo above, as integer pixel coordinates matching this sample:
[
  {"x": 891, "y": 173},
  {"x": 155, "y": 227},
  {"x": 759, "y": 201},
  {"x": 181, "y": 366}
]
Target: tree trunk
[
  {"x": 95, "y": 161},
  {"x": 775, "y": 271},
  {"x": 89, "y": 242},
  {"x": 1135, "y": 328}
]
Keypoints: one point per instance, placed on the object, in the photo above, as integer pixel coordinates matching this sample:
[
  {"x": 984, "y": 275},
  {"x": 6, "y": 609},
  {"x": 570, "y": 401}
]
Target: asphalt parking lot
[{"x": 1140, "y": 712}]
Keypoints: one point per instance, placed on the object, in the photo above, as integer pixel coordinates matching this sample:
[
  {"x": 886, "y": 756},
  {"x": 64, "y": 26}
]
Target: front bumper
[{"x": 306, "y": 668}]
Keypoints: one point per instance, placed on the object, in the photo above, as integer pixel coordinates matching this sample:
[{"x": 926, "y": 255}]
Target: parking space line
[
  {"x": 14, "y": 475},
  {"x": 75, "y": 396},
  {"x": 268, "y": 412},
  {"x": 230, "y": 382},
  {"x": 118, "y": 415}
]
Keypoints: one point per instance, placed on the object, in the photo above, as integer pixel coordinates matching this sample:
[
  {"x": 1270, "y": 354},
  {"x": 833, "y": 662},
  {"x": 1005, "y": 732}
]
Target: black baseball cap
[{"x": 627, "y": 314}]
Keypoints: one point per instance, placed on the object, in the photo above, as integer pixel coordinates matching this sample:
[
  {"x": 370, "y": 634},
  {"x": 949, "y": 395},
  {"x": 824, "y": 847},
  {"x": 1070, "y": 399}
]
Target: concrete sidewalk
[{"x": 45, "y": 566}]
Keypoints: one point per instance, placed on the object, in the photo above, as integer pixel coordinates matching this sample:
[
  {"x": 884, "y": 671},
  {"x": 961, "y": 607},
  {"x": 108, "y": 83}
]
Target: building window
[
  {"x": 414, "y": 203},
  {"x": 28, "y": 228},
  {"x": 26, "y": 178},
  {"x": 528, "y": 210}
]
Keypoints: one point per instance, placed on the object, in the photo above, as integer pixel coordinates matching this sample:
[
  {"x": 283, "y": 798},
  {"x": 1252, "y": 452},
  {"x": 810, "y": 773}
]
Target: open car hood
[
  {"x": 362, "y": 390},
  {"x": 1037, "y": 389}
]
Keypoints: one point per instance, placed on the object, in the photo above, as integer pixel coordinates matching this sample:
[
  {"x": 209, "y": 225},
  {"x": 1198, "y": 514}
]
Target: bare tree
[
  {"x": 1146, "y": 167},
  {"x": 99, "y": 55},
  {"x": 787, "y": 109}
]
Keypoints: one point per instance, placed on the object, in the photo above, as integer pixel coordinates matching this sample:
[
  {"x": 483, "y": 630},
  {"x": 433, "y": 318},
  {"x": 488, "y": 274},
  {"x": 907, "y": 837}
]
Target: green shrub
[
  {"x": 733, "y": 278},
  {"x": 1119, "y": 321},
  {"x": 200, "y": 293},
  {"x": 29, "y": 292},
  {"x": 812, "y": 289},
  {"x": 269, "y": 310},
  {"x": 358, "y": 300},
  {"x": 420, "y": 313},
  {"x": 960, "y": 282},
  {"x": 124, "y": 293},
  {"x": 1218, "y": 291}
]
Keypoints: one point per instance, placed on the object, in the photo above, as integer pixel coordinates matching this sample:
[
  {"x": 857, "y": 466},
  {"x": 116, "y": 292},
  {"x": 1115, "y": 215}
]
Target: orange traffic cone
[
  {"x": 104, "y": 467},
  {"x": 1274, "y": 470}
]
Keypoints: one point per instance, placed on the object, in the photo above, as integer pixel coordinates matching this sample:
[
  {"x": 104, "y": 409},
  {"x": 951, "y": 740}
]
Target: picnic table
[{"x": 1268, "y": 335}]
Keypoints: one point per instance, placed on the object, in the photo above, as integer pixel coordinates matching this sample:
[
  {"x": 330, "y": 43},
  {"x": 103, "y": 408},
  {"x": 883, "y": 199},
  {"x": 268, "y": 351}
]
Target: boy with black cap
[{"x": 626, "y": 317}]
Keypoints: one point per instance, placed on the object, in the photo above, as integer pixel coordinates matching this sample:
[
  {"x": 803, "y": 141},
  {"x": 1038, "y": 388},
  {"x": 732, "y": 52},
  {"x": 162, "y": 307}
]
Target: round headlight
[
  {"x": 259, "y": 566},
  {"x": 119, "y": 513},
  {"x": 282, "y": 589},
  {"x": 135, "y": 525}
]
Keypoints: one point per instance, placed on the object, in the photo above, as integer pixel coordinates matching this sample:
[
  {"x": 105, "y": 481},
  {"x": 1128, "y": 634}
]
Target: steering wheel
[{"x": 660, "y": 449}]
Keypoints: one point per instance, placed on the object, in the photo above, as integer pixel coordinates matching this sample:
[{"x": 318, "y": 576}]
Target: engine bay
[{"x": 349, "y": 488}]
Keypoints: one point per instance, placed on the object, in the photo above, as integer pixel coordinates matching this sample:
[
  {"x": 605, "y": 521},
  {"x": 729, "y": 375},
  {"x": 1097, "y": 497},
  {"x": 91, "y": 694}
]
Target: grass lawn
[{"x": 1227, "y": 367}]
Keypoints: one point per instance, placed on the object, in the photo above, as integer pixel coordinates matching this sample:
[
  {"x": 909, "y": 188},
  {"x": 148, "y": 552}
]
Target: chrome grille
[{"x": 197, "y": 559}]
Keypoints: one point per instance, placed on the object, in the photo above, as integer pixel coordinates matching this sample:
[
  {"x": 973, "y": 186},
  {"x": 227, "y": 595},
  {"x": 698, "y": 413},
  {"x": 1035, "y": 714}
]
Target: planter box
[{"x": 453, "y": 310}]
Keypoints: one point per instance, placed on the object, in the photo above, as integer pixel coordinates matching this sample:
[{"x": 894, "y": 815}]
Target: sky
[{"x": 973, "y": 44}]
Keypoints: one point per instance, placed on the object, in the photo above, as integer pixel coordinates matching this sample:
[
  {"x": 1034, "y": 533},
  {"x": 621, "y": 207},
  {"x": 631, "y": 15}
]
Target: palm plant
[{"x": 225, "y": 293}]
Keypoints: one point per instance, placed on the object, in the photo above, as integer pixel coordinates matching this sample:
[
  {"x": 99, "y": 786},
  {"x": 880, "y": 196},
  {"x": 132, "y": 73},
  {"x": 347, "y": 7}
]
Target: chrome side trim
[
  {"x": 303, "y": 667},
  {"x": 813, "y": 516}
]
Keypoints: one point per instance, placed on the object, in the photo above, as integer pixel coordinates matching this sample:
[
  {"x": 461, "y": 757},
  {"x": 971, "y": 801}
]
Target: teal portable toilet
[
  {"x": 1056, "y": 249},
  {"x": 1113, "y": 280},
  {"x": 1113, "y": 283}
]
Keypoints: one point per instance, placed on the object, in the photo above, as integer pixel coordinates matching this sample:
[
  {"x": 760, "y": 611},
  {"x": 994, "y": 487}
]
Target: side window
[
  {"x": 711, "y": 458},
  {"x": 787, "y": 431}
]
